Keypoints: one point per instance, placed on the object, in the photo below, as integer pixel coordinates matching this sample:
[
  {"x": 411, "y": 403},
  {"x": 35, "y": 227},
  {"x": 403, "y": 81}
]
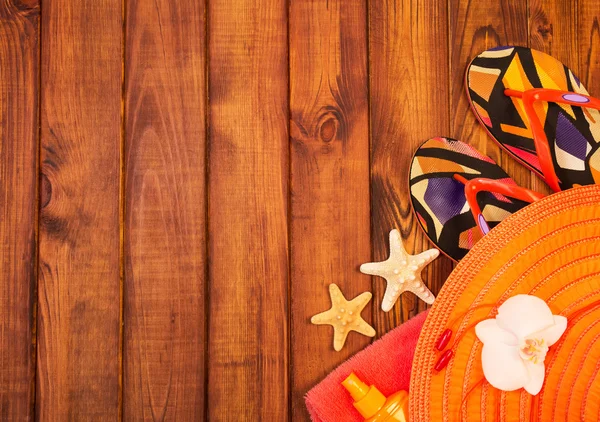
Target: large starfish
[
  {"x": 402, "y": 272},
  {"x": 344, "y": 316}
]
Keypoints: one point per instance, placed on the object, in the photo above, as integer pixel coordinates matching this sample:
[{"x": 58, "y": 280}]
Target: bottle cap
[{"x": 367, "y": 400}]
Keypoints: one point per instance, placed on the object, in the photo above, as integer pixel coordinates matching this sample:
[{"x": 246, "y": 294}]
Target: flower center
[{"x": 533, "y": 350}]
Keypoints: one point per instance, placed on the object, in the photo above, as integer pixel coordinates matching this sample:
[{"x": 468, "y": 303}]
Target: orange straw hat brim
[{"x": 550, "y": 249}]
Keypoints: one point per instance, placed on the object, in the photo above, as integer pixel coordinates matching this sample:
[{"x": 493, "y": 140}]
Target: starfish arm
[
  {"x": 361, "y": 301},
  {"x": 426, "y": 296},
  {"x": 322, "y": 318},
  {"x": 363, "y": 328},
  {"x": 339, "y": 339},
  {"x": 391, "y": 295},
  {"x": 421, "y": 291},
  {"x": 373, "y": 268},
  {"x": 397, "y": 251},
  {"x": 334, "y": 291},
  {"x": 428, "y": 256}
]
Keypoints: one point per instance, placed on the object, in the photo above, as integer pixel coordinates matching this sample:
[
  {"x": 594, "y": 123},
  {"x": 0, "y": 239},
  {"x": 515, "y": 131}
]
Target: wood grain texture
[
  {"x": 409, "y": 104},
  {"x": 79, "y": 242},
  {"x": 553, "y": 29},
  {"x": 474, "y": 28},
  {"x": 330, "y": 233},
  {"x": 248, "y": 209},
  {"x": 19, "y": 84},
  {"x": 164, "y": 287}
]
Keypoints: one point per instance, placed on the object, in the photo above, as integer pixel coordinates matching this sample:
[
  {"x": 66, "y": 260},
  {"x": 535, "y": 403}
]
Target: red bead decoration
[
  {"x": 443, "y": 360},
  {"x": 443, "y": 339}
]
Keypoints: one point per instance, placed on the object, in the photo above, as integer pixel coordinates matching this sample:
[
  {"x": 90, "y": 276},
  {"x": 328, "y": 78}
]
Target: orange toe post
[
  {"x": 513, "y": 93},
  {"x": 479, "y": 184}
]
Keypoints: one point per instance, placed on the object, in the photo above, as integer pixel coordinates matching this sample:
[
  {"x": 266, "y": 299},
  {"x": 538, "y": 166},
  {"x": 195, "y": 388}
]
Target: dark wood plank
[
  {"x": 329, "y": 178},
  {"x": 19, "y": 67},
  {"x": 163, "y": 355},
  {"x": 79, "y": 242},
  {"x": 588, "y": 24},
  {"x": 248, "y": 209},
  {"x": 553, "y": 29},
  {"x": 409, "y": 104},
  {"x": 474, "y": 28}
]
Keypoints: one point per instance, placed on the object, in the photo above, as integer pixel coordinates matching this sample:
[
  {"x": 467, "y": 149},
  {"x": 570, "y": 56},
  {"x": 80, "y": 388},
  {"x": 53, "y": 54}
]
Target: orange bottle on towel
[{"x": 373, "y": 405}]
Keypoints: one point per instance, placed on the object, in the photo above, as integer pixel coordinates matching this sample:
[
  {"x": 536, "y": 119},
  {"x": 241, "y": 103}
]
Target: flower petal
[
  {"x": 552, "y": 333},
  {"x": 536, "y": 377},
  {"x": 503, "y": 367},
  {"x": 488, "y": 331},
  {"x": 524, "y": 315}
]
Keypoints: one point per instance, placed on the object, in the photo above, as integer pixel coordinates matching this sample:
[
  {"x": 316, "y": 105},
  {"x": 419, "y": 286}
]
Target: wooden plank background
[
  {"x": 181, "y": 181},
  {"x": 79, "y": 283},
  {"x": 329, "y": 141},
  {"x": 164, "y": 211}
]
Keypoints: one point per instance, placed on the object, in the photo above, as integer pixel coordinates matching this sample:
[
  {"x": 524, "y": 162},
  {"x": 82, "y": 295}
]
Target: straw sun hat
[{"x": 549, "y": 251}]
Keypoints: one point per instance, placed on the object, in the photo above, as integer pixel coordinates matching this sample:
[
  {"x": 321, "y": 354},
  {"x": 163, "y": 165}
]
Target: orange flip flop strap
[
  {"x": 480, "y": 184},
  {"x": 540, "y": 139}
]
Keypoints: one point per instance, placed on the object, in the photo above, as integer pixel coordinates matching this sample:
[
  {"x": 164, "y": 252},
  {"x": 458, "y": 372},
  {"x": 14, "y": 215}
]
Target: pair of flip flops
[{"x": 537, "y": 110}]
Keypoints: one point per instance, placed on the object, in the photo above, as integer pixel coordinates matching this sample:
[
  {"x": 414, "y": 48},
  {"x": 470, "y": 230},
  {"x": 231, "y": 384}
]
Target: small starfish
[
  {"x": 402, "y": 272},
  {"x": 344, "y": 316}
]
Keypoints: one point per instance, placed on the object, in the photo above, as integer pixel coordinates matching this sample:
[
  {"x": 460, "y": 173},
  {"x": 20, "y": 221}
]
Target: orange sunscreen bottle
[{"x": 373, "y": 405}]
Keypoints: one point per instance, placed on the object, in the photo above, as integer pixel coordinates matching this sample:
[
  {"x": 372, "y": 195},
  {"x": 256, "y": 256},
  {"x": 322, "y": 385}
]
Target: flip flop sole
[
  {"x": 573, "y": 132},
  {"x": 439, "y": 201}
]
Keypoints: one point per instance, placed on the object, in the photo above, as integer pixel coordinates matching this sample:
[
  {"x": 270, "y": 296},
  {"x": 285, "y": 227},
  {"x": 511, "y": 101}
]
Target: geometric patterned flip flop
[
  {"x": 441, "y": 202},
  {"x": 537, "y": 110}
]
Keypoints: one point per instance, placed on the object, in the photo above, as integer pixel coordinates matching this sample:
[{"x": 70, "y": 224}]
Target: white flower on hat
[{"x": 515, "y": 343}]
